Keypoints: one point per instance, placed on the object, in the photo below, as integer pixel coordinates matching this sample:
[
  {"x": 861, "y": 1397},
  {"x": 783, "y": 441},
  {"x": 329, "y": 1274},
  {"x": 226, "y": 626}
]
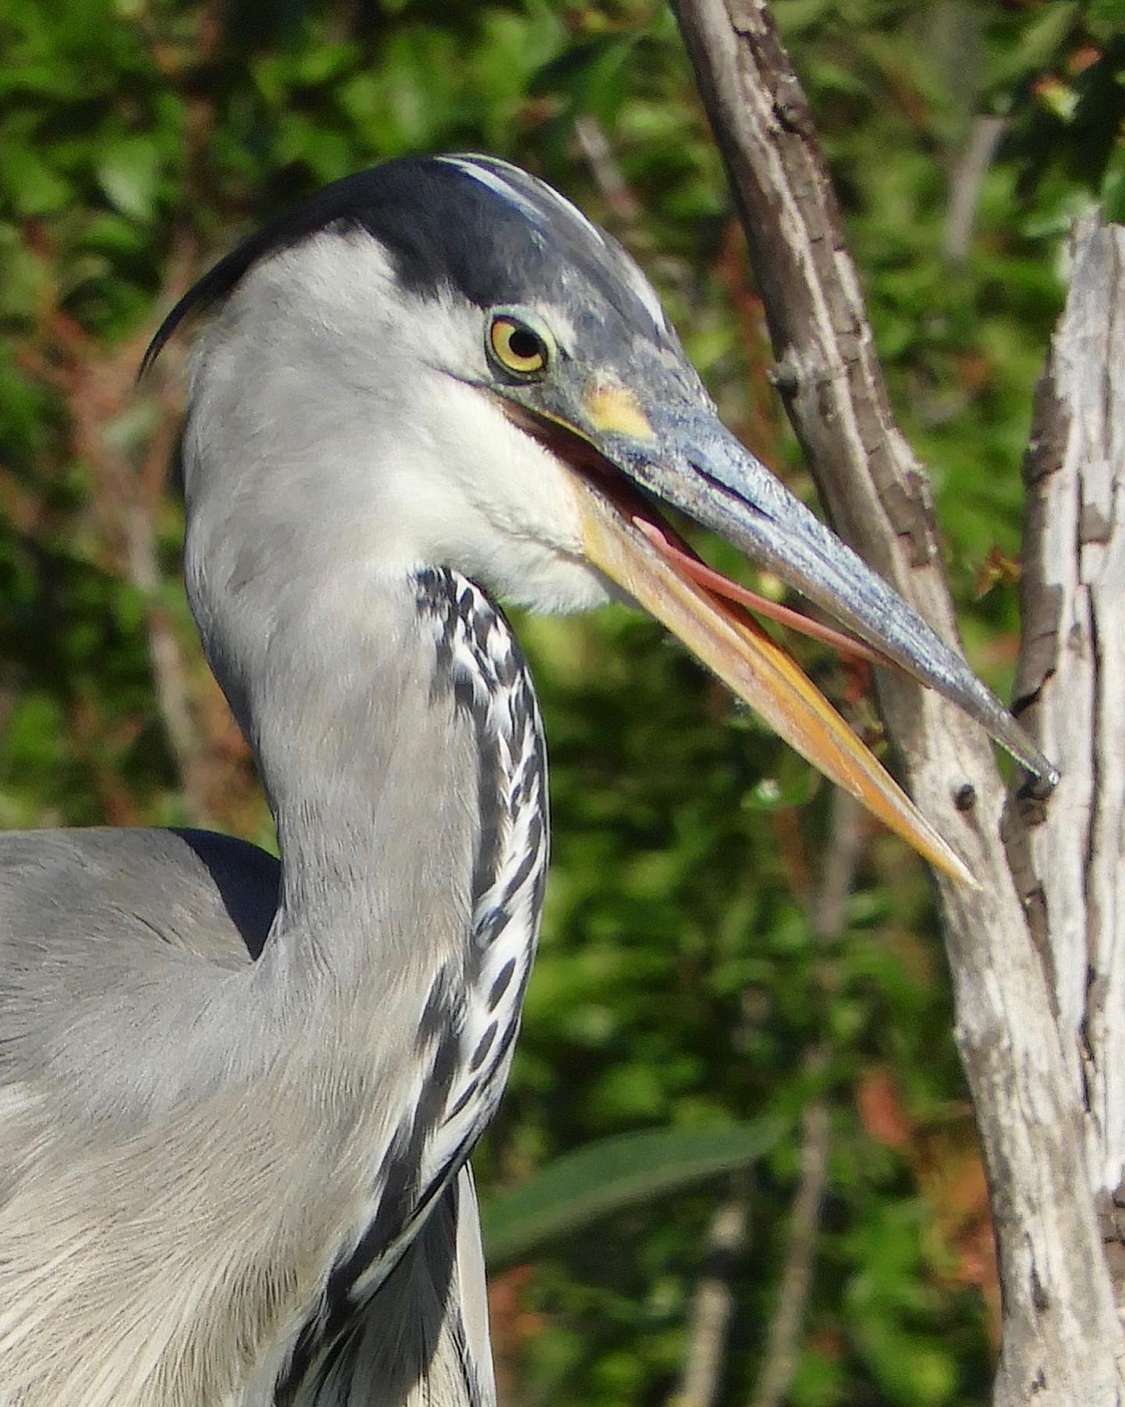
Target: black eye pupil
[{"x": 525, "y": 344}]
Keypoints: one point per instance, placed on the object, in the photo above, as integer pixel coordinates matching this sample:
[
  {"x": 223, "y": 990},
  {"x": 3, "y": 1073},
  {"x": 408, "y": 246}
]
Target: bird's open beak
[{"x": 688, "y": 459}]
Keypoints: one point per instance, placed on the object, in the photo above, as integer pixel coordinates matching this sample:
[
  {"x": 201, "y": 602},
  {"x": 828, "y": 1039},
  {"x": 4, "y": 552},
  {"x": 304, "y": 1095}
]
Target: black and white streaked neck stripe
[{"x": 463, "y": 1046}]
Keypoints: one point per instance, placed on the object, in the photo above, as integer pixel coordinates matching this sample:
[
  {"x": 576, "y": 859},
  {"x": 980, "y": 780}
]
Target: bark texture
[
  {"x": 1062, "y": 1339},
  {"x": 1068, "y": 858}
]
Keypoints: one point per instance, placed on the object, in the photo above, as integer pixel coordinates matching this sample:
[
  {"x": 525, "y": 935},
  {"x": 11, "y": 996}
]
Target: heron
[{"x": 238, "y": 1094}]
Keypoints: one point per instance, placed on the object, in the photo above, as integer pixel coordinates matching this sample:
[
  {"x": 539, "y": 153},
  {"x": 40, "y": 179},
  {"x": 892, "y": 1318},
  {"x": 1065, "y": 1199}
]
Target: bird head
[{"x": 443, "y": 362}]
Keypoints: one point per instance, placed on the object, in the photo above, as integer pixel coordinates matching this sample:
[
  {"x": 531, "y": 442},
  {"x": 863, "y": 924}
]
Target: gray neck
[
  {"x": 400, "y": 746},
  {"x": 371, "y": 772},
  {"x": 409, "y": 789}
]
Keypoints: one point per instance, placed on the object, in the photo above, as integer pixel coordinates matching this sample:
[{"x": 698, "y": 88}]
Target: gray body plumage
[{"x": 122, "y": 902}]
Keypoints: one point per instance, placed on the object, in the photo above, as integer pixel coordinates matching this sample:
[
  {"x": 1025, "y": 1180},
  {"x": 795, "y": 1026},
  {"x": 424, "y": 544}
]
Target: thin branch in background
[
  {"x": 139, "y": 511},
  {"x": 9, "y": 686},
  {"x": 965, "y": 184},
  {"x": 845, "y": 846},
  {"x": 829, "y": 917},
  {"x": 128, "y": 494},
  {"x": 786, "y": 1324},
  {"x": 123, "y": 510},
  {"x": 713, "y": 1301},
  {"x": 598, "y": 154},
  {"x": 169, "y": 671},
  {"x": 168, "y": 663},
  {"x": 98, "y": 388}
]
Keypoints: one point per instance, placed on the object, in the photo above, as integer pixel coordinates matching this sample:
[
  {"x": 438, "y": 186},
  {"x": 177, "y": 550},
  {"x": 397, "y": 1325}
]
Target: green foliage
[
  {"x": 621, "y": 1171},
  {"x": 681, "y": 982}
]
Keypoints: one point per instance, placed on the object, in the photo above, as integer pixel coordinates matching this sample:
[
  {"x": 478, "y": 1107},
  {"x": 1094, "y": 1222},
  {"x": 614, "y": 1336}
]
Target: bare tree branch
[
  {"x": 968, "y": 177},
  {"x": 1068, "y": 860},
  {"x": 1062, "y": 1340},
  {"x": 713, "y": 1302},
  {"x": 787, "y": 1321}
]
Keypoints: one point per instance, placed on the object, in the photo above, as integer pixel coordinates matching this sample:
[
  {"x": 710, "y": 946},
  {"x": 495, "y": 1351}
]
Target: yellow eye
[{"x": 518, "y": 347}]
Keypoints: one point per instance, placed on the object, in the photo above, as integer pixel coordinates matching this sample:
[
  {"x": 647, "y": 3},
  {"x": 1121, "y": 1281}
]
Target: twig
[
  {"x": 985, "y": 136},
  {"x": 787, "y": 1320},
  {"x": 845, "y": 845},
  {"x": 131, "y": 495},
  {"x": 713, "y": 1301},
  {"x": 603, "y": 165},
  {"x": 829, "y": 918}
]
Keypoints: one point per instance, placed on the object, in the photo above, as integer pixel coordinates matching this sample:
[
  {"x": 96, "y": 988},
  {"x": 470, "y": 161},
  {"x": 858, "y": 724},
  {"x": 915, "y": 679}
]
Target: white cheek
[
  {"x": 353, "y": 447},
  {"x": 500, "y": 508},
  {"x": 516, "y": 483}
]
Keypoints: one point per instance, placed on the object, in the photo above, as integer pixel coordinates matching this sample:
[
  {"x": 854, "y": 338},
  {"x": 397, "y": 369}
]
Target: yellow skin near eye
[{"x": 502, "y": 333}]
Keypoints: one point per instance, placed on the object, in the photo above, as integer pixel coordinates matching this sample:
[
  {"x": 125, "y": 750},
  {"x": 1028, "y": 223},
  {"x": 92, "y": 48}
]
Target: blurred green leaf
[
  {"x": 1038, "y": 42},
  {"x": 27, "y": 182},
  {"x": 128, "y": 171},
  {"x": 622, "y": 1171}
]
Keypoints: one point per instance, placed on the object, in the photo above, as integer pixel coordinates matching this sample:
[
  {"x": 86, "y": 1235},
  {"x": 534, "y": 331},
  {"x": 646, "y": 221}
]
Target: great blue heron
[{"x": 236, "y": 1096}]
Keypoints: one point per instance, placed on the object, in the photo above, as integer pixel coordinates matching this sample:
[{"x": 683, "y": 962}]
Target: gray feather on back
[{"x": 104, "y": 904}]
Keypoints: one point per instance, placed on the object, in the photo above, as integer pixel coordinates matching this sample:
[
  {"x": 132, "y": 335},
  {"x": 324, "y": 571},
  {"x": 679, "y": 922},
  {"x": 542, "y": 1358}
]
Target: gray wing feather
[{"x": 94, "y": 908}]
